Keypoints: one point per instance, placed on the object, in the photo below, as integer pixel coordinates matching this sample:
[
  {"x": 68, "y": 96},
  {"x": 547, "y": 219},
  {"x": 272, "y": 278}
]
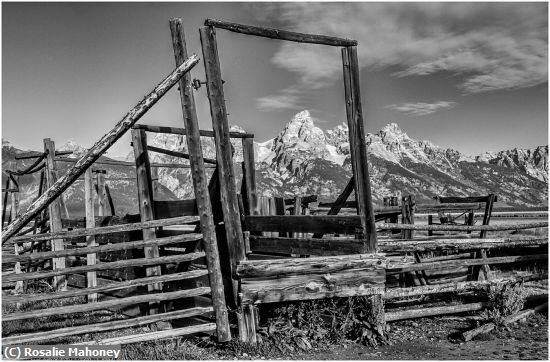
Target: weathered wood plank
[
  {"x": 458, "y": 200},
  {"x": 304, "y": 223},
  {"x": 102, "y": 327},
  {"x": 428, "y": 312},
  {"x": 157, "y": 335},
  {"x": 109, "y": 287},
  {"x": 91, "y": 277},
  {"x": 249, "y": 175},
  {"x": 224, "y": 153},
  {"x": 183, "y": 131},
  {"x": 35, "y": 154},
  {"x": 6, "y": 278},
  {"x": 107, "y": 229},
  {"x": 79, "y": 308},
  {"x": 279, "y": 34},
  {"x": 54, "y": 210},
  {"x": 541, "y": 224},
  {"x": 313, "y": 286},
  {"x": 454, "y": 287},
  {"x": 358, "y": 147},
  {"x": 129, "y": 164},
  {"x": 467, "y": 262},
  {"x": 306, "y": 246},
  {"x": 98, "y": 149},
  {"x": 304, "y": 266},
  {"x": 461, "y": 244},
  {"x": 200, "y": 185}
]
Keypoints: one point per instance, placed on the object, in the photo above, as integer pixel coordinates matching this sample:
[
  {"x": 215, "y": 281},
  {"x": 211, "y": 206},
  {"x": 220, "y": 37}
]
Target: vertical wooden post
[
  {"x": 358, "y": 147},
  {"x": 249, "y": 175},
  {"x": 407, "y": 215},
  {"x": 430, "y": 222},
  {"x": 200, "y": 185},
  {"x": 101, "y": 194},
  {"x": 143, "y": 174},
  {"x": 470, "y": 220},
  {"x": 60, "y": 282},
  {"x": 155, "y": 181},
  {"x": 14, "y": 195},
  {"x": 297, "y": 211},
  {"x": 482, "y": 252},
  {"x": 90, "y": 224},
  {"x": 223, "y": 151}
]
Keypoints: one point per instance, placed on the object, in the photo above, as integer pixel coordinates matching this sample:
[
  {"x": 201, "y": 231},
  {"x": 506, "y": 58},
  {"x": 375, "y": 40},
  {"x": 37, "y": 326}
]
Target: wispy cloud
[
  {"x": 490, "y": 46},
  {"x": 288, "y": 98},
  {"x": 420, "y": 108}
]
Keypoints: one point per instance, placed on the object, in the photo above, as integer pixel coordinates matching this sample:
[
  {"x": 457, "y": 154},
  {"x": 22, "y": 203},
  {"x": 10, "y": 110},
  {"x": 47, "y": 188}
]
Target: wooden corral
[{"x": 199, "y": 259}]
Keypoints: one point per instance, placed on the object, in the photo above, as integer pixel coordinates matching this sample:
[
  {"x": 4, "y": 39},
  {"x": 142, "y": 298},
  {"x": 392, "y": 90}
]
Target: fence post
[
  {"x": 101, "y": 194},
  {"x": 200, "y": 185},
  {"x": 91, "y": 277},
  {"x": 59, "y": 282},
  {"x": 14, "y": 196}
]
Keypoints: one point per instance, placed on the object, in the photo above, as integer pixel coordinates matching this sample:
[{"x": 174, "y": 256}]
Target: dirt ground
[{"x": 437, "y": 339}]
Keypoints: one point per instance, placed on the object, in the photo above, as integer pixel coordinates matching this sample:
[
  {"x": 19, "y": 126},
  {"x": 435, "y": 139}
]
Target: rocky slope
[{"x": 304, "y": 159}]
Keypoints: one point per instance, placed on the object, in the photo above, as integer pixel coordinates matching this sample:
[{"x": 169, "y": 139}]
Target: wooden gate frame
[{"x": 358, "y": 148}]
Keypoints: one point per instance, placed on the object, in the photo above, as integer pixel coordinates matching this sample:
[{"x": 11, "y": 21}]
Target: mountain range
[{"x": 303, "y": 160}]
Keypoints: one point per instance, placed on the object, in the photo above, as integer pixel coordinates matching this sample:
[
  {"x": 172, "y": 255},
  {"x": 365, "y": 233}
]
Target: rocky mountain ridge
[{"x": 304, "y": 159}]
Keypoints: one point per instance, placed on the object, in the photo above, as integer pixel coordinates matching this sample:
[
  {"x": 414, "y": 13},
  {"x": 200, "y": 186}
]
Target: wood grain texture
[
  {"x": 184, "y": 131},
  {"x": 89, "y": 199},
  {"x": 157, "y": 335},
  {"x": 102, "y": 327},
  {"x": 279, "y": 34},
  {"x": 98, "y": 149},
  {"x": 305, "y": 224},
  {"x": 200, "y": 185},
  {"x": 461, "y": 244},
  {"x": 313, "y": 286},
  {"x": 540, "y": 224},
  {"x": 433, "y": 311},
  {"x": 306, "y": 246}
]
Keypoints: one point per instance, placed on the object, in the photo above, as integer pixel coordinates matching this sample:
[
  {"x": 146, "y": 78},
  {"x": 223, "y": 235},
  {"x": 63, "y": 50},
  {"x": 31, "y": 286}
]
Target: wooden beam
[
  {"x": 98, "y": 149},
  {"x": 145, "y": 193},
  {"x": 406, "y": 267},
  {"x": 110, "y": 199},
  {"x": 127, "y": 245},
  {"x": 433, "y": 311},
  {"x": 347, "y": 283},
  {"x": 34, "y": 154},
  {"x": 454, "y": 287},
  {"x": 157, "y": 335},
  {"x": 305, "y": 246},
  {"x": 183, "y": 131},
  {"x": 200, "y": 185},
  {"x": 460, "y": 244},
  {"x": 313, "y": 265},
  {"x": 177, "y": 154},
  {"x": 109, "y": 287},
  {"x": 437, "y": 227},
  {"x": 358, "y": 147},
  {"x": 91, "y": 277},
  {"x": 249, "y": 175},
  {"x": 107, "y": 229},
  {"x": 54, "y": 210},
  {"x": 119, "y": 302},
  {"x": 224, "y": 151},
  {"x": 8, "y": 277},
  {"x": 457, "y": 200},
  {"x": 304, "y": 224},
  {"x": 129, "y": 164},
  {"x": 103, "y": 327},
  {"x": 407, "y": 216},
  {"x": 101, "y": 195},
  {"x": 280, "y": 34}
]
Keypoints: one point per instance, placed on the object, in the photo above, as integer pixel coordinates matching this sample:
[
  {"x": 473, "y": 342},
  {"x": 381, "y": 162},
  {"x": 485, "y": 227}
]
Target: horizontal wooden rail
[
  {"x": 406, "y": 267},
  {"x": 178, "y": 154},
  {"x": 455, "y": 287},
  {"x": 106, "y": 229},
  {"x": 79, "y": 308},
  {"x": 462, "y": 200},
  {"x": 103, "y": 327},
  {"x": 128, "y": 164},
  {"x": 306, "y": 246},
  {"x": 6, "y": 278},
  {"x": 533, "y": 225},
  {"x": 183, "y": 131},
  {"x": 420, "y": 208},
  {"x": 128, "y": 245},
  {"x": 460, "y": 244},
  {"x": 301, "y": 266},
  {"x": 304, "y": 223},
  {"x": 280, "y": 34},
  {"x": 433, "y": 311},
  {"x": 156, "y": 335},
  {"x": 31, "y": 298},
  {"x": 33, "y": 154}
]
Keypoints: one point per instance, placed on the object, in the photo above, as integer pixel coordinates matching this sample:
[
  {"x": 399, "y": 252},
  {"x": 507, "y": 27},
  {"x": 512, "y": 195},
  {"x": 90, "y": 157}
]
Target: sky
[{"x": 469, "y": 76}]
